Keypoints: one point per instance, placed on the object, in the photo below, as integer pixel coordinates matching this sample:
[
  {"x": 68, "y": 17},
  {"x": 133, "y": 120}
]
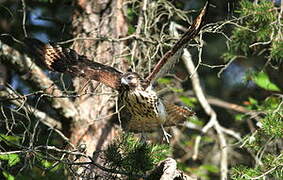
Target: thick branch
[{"x": 20, "y": 102}]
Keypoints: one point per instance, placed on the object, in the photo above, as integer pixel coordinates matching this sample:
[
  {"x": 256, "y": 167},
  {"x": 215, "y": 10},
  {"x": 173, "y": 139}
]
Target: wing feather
[
  {"x": 172, "y": 56},
  {"x": 66, "y": 60}
]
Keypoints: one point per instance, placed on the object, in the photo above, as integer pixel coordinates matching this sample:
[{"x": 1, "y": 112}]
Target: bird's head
[{"x": 131, "y": 80}]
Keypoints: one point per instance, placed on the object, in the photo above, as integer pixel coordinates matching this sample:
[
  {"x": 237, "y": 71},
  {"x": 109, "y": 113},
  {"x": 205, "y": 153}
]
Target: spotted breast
[{"x": 148, "y": 112}]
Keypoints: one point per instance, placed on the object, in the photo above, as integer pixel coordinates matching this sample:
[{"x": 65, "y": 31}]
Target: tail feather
[{"x": 177, "y": 114}]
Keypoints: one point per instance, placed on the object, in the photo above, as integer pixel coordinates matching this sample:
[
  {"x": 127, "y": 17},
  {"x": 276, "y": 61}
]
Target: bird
[{"x": 147, "y": 111}]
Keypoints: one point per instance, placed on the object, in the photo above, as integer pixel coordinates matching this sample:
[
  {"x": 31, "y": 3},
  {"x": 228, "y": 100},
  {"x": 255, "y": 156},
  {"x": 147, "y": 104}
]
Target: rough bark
[{"x": 95, "y": 19}]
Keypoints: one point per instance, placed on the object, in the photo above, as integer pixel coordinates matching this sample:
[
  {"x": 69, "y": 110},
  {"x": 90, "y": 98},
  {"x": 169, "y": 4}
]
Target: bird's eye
[{"x": 130, "y": 78}]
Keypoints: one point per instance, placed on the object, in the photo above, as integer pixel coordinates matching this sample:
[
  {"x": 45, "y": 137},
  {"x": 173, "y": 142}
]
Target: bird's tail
[
  {"x": 177, "y": 114},
  {"x": 53, "y": 57}
]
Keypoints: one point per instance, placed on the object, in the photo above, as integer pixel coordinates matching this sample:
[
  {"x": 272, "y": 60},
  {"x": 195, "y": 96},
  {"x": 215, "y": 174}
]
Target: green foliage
[
  {"x": 130, "y": 155},
  {"x": 164, "y": 80},
  {"x": 253, "y": 104},
  {"x": 12, "y": 159},
  {"x": 272, "y": 123},
  {"x": 276, "y": 51},
  {"x": 8, "y": 176},
  {"x": 264, "y": 140},
  {"x": 255, "y": 141},
  {"x": 132, "y": 14},
  {"x": 46, "y": 164},
  {"x": 188, "y": 101},
  {"x": 196, "y": 121},
  {"x": 39, "y": 173},
  {"x": 10, "y": 139},
  {"x": 131, "y": 30},
  {"x": 242, "y": 172},
  {"x": 176, "y": 90},
  {"x": 203, "y": 170},
  {"x": 262, "y": 80},
  {"x": 271, "y": 168},
  {"x": 32, "y": 165},
  {"x": 239, "y": 117},
  {"x": 210, "y": 168},
  {"x": 258, "y": 28},
  {"x": 168, "y": 81}
]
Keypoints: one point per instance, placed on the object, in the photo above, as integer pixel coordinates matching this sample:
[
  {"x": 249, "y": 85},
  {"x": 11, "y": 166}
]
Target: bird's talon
[{"x": 166, "y": 134}]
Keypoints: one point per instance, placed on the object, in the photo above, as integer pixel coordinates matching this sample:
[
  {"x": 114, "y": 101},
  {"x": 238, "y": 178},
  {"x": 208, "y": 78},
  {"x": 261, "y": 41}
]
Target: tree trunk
[{"x": 96, "y": 19}]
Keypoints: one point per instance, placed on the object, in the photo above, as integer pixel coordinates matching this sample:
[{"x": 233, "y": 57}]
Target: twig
[
  {"x": 232, "y": 133},
  {"x": 225, "y": 67},
  {"x": 41, "y": 116},
  {"x": 41, "y": 92},
  {"x": 266, "y": 173},
  {"x": 11, "y": 152},
  {"x": 169, "y": 58},
  {"x": 79, "y": 154},
  {"x": 227, "y": 105},
  {"x": 110, "y": 39},
  {"x": 214, "y": 101},
  {"x": 209, "y": 111},
  {"x": 281, "y": 11},
  {"x": 24, "y": 17},
  {"x": 37, "y": 79},
  {"x": 138, "y": 30}
]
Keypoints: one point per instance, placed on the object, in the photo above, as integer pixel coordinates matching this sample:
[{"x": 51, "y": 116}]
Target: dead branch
[
  {"x": 20, "y": 102},
  {"x": 209, "y": 111},
  {"x": 213, "y": 122},
  {"x": 41, "y": 116},
  {"x": 228, "y": 105}
]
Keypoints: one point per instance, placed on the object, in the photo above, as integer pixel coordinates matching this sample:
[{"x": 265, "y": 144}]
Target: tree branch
[
  {"x": 187, "y": 58},
  {"x": 209, "y": 111},
  {"x": 41, "y": 116}
]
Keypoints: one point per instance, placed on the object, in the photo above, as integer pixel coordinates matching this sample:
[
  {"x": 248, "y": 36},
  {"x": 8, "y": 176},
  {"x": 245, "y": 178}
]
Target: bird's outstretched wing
[
  {"x": 66, "y": 60},
  {"x": 172, "y": 56}
]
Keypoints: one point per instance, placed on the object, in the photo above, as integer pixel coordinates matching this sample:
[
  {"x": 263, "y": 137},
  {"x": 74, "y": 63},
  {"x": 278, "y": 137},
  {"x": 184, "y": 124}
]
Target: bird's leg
[
  {"x": 118, "y": 109},
  {"x": 166, "y": 134}
]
